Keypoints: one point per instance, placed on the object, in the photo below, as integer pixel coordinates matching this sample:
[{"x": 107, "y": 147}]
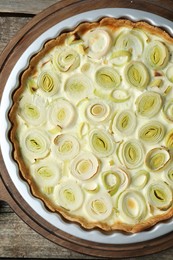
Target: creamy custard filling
[{"x": 93, "y": 121}]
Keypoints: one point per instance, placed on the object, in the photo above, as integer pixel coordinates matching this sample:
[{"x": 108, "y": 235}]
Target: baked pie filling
[{"x": 92, "y": 125}]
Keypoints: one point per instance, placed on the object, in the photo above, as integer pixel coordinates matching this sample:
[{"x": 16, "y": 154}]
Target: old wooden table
[{"x": 17, "y": 239}]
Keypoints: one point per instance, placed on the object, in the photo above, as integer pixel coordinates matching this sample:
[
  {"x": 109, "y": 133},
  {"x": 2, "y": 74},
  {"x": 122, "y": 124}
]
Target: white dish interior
[{"x": 6, "y": 147}]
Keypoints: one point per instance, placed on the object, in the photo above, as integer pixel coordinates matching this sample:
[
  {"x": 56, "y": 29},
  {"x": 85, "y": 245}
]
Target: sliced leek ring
[
  {"x": 120, "y": 57},
  {"x": 124, "y": 123},
  {"x": 132, "y": 153},
  {"x": 111, "y": 181},
  {"x": 35, "y": 144},
  {"x": 101, "y": 143},
  {"x": 31, "y": 84},
  {"x": 69, "y": 195},
  {"x": 169, "y": 74},
  {"x": 99, "y": 42},
  {"x": 152, "y": 132},
  {"x": 157, "y": 82},
  {"x": 97, "y": 111},
  {"x": 119, "y": 95},
  {"x": 168, "y": 110},
  {"x": 99, "y": 206},
  {"x": 46, "y": 173},
  {"x": 169, "y": 177},
  {"x": 136, "y": 75},
  {"x": 66, "y": 146},
  {"x": 32, "y": 110},
  {"x": 130, "y": 41},
  {"x": 159, "y": 195},
  {"x": 157, "y": 158},
  {"x": 78, "y": 87},
  {"x": 48, "y": 83},
  {"x": 83, "y": 130},
  {"x": 140, "y": 179},
  {"x": 107, "y": 78},
  {"x": 169, "y": 139},
  {"x": 91, "y": 187},
  {"x": 157, "y": 55},
  {"x": 62, "y": 113},
  {"x": 148, "y": 104},
  {"x": 132, "y": 205},
  {"x": 84, "y": 166},
  {"x": 66, "y": 59},
  {"x": 115, "y": 180},
  {"x": 158, "y": 85}
]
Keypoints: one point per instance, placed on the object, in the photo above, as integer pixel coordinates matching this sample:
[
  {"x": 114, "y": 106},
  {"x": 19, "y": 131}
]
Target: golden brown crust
[{"x": 112, "y": 24}]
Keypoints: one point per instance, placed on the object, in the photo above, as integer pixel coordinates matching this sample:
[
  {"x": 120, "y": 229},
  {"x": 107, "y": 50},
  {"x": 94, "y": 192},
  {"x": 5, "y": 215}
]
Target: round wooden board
[{"x": 9, "y": 193}]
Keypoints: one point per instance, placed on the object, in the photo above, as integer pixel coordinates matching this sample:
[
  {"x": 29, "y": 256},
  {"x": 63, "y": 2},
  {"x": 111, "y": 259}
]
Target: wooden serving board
[{"x": 8, "y": 192}]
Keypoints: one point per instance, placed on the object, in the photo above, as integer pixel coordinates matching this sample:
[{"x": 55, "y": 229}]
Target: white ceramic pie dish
[{"x": 6, "y": 147}]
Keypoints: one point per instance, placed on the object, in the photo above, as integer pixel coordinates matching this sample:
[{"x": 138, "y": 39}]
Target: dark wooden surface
[{"x": 17, "y": 239}]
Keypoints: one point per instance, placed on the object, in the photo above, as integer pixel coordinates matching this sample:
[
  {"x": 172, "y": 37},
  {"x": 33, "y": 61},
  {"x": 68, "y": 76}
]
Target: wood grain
[
  {"x": 9, "y": 26},
  {"x": 17, "y": 239},
  {"x": 24, "y": 6},
  {"x": 26, "y": 242}
]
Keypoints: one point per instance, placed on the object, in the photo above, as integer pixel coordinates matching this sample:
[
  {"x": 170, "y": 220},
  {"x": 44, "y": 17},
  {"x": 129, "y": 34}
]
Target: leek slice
[
  {"x": 140, "y": 179},
  {"x": 48, "y": 83},
  {"x": 107, "y": 78},
  {"x": 46, "y": 173},
  {"x": 56, "y": 130},
  {"x": 99, "y": 206},
  {"x": 66, "y": 146},
  {"x": 92, "y": 187},
  {"x": 169, "y": 139},
  {"x": 83, "y": 130},
  {"x": 69, "y": 195},
  {"x": 31, "y": 84},
  {"x": 84, "y": 166},
  {"x": 115, "y": 180},
  {"x": 157, "y": 55},
  {"x": 132, "y": 205},
  {"x": 159, "y": 195},
  {"x": 132, "y": 153},
  {"x": 130, "y": 41},
  {"x": 137, "y": 75},
  {"x": 167, "y": 90},
  {"x": 99, "y": 42},
  {"x": 148, "y": 104},
  {"x": 119, "y": 95},
  {"x": 152, "y": 132},
  {"x": 169, "y": 177},
  {"x": 124, "y": 122},
  {"x": 121, "y": 57},
  {"x": 78, "y": 86},
  {"x": 35, "y": 144},
  {"x": 156, "y": 83},
  {"x": 101, "y": 143},
  {"x": 97, "y": 111},
  {"x": 74, "y": 39},
  {"x": 111, "y": 181},
  {"x": 62, "y": 113},
  {"x": 169, "y": 74},
  {"x": 32, "y": 110},
  {"x": 66, "y": 59},
  {"x": 168, "y": 110},
  {"x": 157, "y": 159}
]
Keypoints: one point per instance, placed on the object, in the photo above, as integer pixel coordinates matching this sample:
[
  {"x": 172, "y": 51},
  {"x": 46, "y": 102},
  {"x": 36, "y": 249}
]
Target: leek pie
[{"x": 92, "y": 125}]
